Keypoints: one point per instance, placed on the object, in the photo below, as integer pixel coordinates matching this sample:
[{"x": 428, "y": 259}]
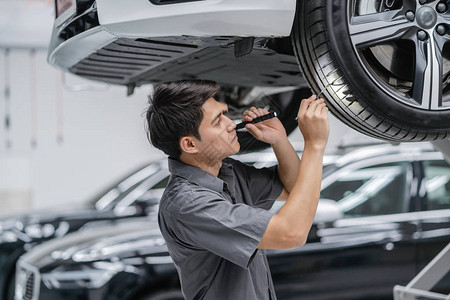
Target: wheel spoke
[
  {"x": 445, "y": 17},
  {"x": 372, "y": 29},
  {"x": 427, "y": 86}
]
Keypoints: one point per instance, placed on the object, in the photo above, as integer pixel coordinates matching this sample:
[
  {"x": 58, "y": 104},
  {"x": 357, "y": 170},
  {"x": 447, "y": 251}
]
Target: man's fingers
[
  {"x": 263, "y": 111},
  {"x": 319, "y": 108},
  {"x": 311, "y": 107},
  {"x": 314, "y": 106},
  {"x": 305, "y": 103},
  {"x": 255, "y": 111},
  {"x": 249, "y": 115},
  {"x": 257, "y": 133}
]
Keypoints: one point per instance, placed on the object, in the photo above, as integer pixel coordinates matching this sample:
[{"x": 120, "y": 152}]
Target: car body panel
[
  {"x": 143, "y": 43},
  {"x": 197, "y": 18},
  {"x": 130, "y": 226},
  {"x": 64, "y": 55},
  {"x": 118, "y": 21}
]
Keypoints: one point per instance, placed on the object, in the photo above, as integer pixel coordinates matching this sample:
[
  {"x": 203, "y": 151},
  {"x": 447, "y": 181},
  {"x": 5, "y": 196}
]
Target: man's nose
[{"x": 231, "y": 125}]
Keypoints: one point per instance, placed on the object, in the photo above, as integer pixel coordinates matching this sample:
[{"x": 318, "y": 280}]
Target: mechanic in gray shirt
[{"x": 214, "y": 212}]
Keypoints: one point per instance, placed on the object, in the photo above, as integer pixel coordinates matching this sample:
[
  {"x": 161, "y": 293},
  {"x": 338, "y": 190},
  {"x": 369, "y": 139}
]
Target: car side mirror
[{"x": 328, "y": 211}]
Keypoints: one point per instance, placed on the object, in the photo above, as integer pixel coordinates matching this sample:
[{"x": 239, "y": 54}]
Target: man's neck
[{"x": 202, "y": 163}]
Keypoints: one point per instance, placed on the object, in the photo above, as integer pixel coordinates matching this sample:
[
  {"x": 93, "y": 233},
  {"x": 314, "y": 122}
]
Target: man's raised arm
[{"x": 290, "y": 226}]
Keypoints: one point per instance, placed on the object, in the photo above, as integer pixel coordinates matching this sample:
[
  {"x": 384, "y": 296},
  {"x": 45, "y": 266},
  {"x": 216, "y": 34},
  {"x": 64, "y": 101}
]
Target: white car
[{"x": 383, "y": 65}]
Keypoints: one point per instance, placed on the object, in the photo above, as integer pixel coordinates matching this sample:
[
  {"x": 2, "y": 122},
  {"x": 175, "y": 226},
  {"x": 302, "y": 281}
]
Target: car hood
[
  {"x": 128, "y": 237},
  {"x": 45, "y": 225},
  {"x": 17, "y": 221}
]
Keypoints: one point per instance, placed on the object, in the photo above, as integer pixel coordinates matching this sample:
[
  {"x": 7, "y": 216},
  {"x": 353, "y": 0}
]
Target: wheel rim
[{"x": 404, "y": 46}]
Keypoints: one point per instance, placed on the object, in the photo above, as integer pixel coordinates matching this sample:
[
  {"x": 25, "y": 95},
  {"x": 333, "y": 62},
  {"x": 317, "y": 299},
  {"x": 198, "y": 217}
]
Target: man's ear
[{"x": 188, "y": 144}]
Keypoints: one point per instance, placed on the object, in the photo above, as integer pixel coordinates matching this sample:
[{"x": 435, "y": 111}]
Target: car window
[
  {"x": 155, "y": 193},
  {"x": 121, "y": 188},
  {"x": 374, "y": 190},
  {"x": 437, "y": 175},
  {"x": 162, "y": 184}
]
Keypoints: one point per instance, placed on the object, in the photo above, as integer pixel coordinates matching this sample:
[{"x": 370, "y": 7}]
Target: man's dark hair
[{"x": 175, "y": 111}]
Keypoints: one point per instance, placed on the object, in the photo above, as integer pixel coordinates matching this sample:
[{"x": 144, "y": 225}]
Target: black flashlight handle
[{"x": 268, "y": 116}]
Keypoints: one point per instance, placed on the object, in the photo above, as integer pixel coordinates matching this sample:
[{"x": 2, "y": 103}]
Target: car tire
[
  {"x": 165, "y": 295},
  {"x": 355, "y": 91}
]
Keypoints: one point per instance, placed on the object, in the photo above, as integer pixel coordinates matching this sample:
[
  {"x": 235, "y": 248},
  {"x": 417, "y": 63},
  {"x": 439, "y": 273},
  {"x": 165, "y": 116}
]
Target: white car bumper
[{"x": 141, "y": 18}]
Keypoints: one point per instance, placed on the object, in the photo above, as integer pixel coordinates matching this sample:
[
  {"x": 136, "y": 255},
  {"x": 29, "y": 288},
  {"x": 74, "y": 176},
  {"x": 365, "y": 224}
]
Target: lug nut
[
  {"x": 441, "y": 7},
  {"x": 410, "y": 15},
  {"x": 421, "y": 35},
  {"x": 440, "y": 29}
]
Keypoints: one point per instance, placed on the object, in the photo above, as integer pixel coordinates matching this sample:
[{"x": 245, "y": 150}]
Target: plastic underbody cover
[{"x": 227, "y": 60}]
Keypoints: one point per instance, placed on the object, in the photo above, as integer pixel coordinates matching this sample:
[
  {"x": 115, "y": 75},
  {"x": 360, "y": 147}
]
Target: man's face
[{"x": 217, "y": 132}]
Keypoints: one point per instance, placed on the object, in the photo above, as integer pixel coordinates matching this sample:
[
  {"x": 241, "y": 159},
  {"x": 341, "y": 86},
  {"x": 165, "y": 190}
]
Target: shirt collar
[{"x": 199, "y": 176}]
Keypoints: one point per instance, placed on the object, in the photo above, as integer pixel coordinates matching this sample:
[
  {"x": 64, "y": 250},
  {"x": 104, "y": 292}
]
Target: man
[{"x": 214, "y": 212}]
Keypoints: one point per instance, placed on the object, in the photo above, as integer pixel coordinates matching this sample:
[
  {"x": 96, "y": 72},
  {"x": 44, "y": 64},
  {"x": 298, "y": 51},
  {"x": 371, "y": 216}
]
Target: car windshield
[
  {"x": 154, "y": 194},
  {"x": 109, "y": 198}
]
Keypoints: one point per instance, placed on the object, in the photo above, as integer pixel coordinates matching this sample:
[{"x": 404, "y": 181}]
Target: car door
[
  {"x": 434, "y": 233},
  {"x": 365, "y": 253}
]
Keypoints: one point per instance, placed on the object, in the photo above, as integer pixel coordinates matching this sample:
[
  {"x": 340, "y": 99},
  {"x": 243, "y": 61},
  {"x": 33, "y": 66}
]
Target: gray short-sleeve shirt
[{"x": 213, "y": 225}]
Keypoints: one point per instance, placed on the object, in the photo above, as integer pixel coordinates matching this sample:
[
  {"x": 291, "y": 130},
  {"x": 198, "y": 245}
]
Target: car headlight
[{"x": 90, "y": 276}]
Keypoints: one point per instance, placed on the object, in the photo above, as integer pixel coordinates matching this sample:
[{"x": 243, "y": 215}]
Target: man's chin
[
  {"x": 234, "y": 149},
  {"x": 238, "y": 146}
]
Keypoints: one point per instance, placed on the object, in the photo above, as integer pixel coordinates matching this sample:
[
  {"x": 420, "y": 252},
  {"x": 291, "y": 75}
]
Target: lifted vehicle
[{"x": 384, "y": 65}]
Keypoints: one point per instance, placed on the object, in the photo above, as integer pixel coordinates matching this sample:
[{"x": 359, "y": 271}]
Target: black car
[
  {"x": 136, "y": 194},
  {"x": 18, "y": 234},
  {"x": 384, "y": 65},
  {"x": 384, "y": 214}
]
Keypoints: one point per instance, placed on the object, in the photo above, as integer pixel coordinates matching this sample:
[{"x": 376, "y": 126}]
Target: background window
[
  {"x": 375, "y": 190},
  {"x": 437, "y": 175}
]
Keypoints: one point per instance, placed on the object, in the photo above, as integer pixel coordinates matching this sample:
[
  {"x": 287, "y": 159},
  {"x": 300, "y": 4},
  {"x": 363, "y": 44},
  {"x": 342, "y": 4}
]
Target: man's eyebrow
[{"x": 219, "y": 114}]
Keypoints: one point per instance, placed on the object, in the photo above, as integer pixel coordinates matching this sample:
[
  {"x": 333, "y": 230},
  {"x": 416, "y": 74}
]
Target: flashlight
[{"x": 268, "y": 116}]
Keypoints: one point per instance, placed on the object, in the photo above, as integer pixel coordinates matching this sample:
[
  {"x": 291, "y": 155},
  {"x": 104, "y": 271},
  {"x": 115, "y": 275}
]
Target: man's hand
[
  {"x": 270, "y": 131},
  {"x": 313, "y": 122}
]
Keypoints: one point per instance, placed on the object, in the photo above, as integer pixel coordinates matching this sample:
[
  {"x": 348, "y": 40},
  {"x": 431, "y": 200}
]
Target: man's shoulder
[
  {"x": 177, "y": 193},
  {"x": 181, "y": 193}
]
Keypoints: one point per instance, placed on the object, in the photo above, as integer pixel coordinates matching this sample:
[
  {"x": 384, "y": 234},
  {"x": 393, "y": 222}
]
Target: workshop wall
[{"x": 61, "y": 147}]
